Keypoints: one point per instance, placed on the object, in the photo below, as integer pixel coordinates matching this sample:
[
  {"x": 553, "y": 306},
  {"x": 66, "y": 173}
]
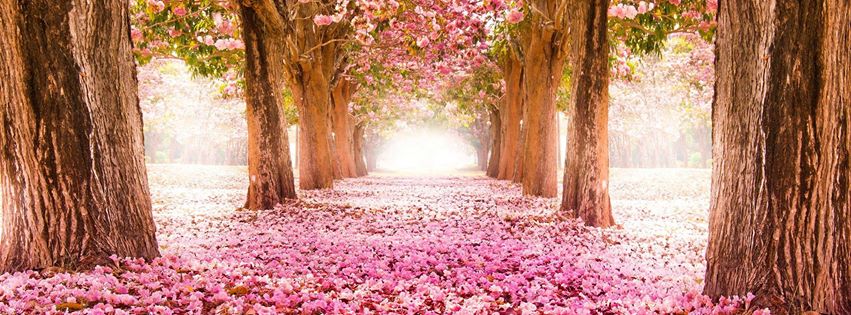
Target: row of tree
[
  {"x": 781, "y": 200},
  {"x": 74, "y": 189}
]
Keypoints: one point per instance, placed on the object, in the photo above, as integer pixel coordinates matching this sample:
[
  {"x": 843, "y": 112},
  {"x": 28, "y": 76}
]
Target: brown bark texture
[
  {"x": 343, "y": 131},
  {"x": 316, "y": 167},
  {"x": 336, "y": 170},
  {"x": 586, "y": 173},
  {"x": 780, "y": 210},
  {"x": 312, "y": 55},
  {"x": 543, "y": 68},
  {"x": 512, "y": 112},
  {"x": 269, "y": 166},
  {"x": 496, "y": 143},
  {"x": 358, "y": 143},
  {"x": 73, "y": 183}
]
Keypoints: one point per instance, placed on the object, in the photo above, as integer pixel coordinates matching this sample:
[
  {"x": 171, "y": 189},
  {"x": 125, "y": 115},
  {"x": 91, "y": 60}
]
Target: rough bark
[
  {"x": 336, "y": 168},
  {"x": 312, "y": 56},
  {"x": 358, "y": 143},
  {"x": 316, "y": 167},
  {"x": 544, "y": 63},
  {"x": 517, "y": 177},
  {"x": 496, "y": 143},
  {"x": 269, "y": 167},
  {"x": 780, "y": 208},
  {"x": 586, "y": 172},
  {"x": 73, "y": 184},
  {"x": 343, "y": 131},
  {"x": 512, "y": 112}
]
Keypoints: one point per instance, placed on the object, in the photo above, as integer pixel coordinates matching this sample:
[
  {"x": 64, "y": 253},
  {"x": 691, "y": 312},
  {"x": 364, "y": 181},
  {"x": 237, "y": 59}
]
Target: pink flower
[
  {"x": 515, "y": 16},
  {"x": 179, "y": 11},
  {"x": 623, "y": 11},
  {"x": 174, "y": 32},
  {"x": 221, "y": 44},
  {"x": 422, "y": 42},
  {"x": 630, "y": 12},
  {"x": 712, "y": 5},
  {"x": 322, "y": 20},
  {"x": 675, "y": 2},
  {"x": 157, "y": 5},
  {"x": 136, "y": 35},
  {"x": 644, "y": 7}
]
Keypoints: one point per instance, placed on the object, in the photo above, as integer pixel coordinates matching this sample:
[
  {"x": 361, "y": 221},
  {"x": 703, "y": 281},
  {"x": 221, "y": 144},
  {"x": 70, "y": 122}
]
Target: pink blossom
[
  {"x": 158, "y": 5},
  {"x": 515, "y": 16},
  {"x": 179, "y": 11},
  {"x": 173, "y": 32},
  {"x": 322, "y": 20},
  {"x": 136, "y": 34},
  {"x": 712, "y": 5}
]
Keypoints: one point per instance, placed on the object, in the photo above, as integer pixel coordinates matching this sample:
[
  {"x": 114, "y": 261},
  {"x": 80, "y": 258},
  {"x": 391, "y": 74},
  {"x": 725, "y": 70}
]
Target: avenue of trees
[{"x": 73, "y": 185}]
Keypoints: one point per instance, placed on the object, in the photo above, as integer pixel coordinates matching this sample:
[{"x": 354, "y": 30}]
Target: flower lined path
[{"x": 395, "y": 244}]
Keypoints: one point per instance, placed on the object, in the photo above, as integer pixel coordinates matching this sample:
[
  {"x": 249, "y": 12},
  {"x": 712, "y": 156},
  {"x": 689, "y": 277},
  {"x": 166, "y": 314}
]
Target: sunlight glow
[{"x": 426, "y": 150}]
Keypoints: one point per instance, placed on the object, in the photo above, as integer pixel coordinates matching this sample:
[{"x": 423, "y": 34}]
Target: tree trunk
[
  {"x": 343, "y": 137},
  {"x": 544, "y": 62},
  {"x": 521, "y": 145},
  {"x": 586, "y": 172},
  {"x": 316, "y": 168},
  {"x": 781, "y": 207},
  {"x": 496, "y": 143},
  {"x": 73, "y": 184},
  {"x": 269, "y": 167},
  {"x": 512, "y": 112},
  {"x": 336, "y": 170},
  {"x": 358, "y": 143}
]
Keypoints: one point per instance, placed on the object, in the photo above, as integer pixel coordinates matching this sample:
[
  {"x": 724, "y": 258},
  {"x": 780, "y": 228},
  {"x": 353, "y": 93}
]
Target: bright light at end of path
[{"x": 426, "y": 151}]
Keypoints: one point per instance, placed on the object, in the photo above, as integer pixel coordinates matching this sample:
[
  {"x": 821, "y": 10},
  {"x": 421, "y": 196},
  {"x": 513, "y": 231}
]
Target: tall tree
[
  {"x": 512, "y": 111},
  {"x": 269, "y": 167},
  {"x": 544, "y": 57},
  {"x": 781, "y": 207},
  {"x": 586, "y": 173},
  {"x": 496, "y": 141},
  {"x": 208, "y": 36},
  {"x": 341, "y": 96},
  {"x": 73, "y": 186},
  {"x": 358, "y": 143}
]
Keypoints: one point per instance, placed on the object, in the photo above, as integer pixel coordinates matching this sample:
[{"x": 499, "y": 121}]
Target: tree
[
  {"x": 311, "y": 52},
  {"x": 358, "y": 143},
  {"x": 269, "y": 167},
  {"x": 544, "y": 57},
  {"x": 343, "y": 130},
  {"x": 643, "y": 28},
  {"x": 496, "y": 142},
  {"x": 74, "y": 185},
  {"x": 208, "y": 36},
  {"x": 512, "y": 111},
  {"x": 780, "y": 205},
  {"x": 586, "y": 173}
]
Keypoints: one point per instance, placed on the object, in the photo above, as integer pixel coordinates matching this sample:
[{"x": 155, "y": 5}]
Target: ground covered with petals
[{"x": 397, "y": 244}]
